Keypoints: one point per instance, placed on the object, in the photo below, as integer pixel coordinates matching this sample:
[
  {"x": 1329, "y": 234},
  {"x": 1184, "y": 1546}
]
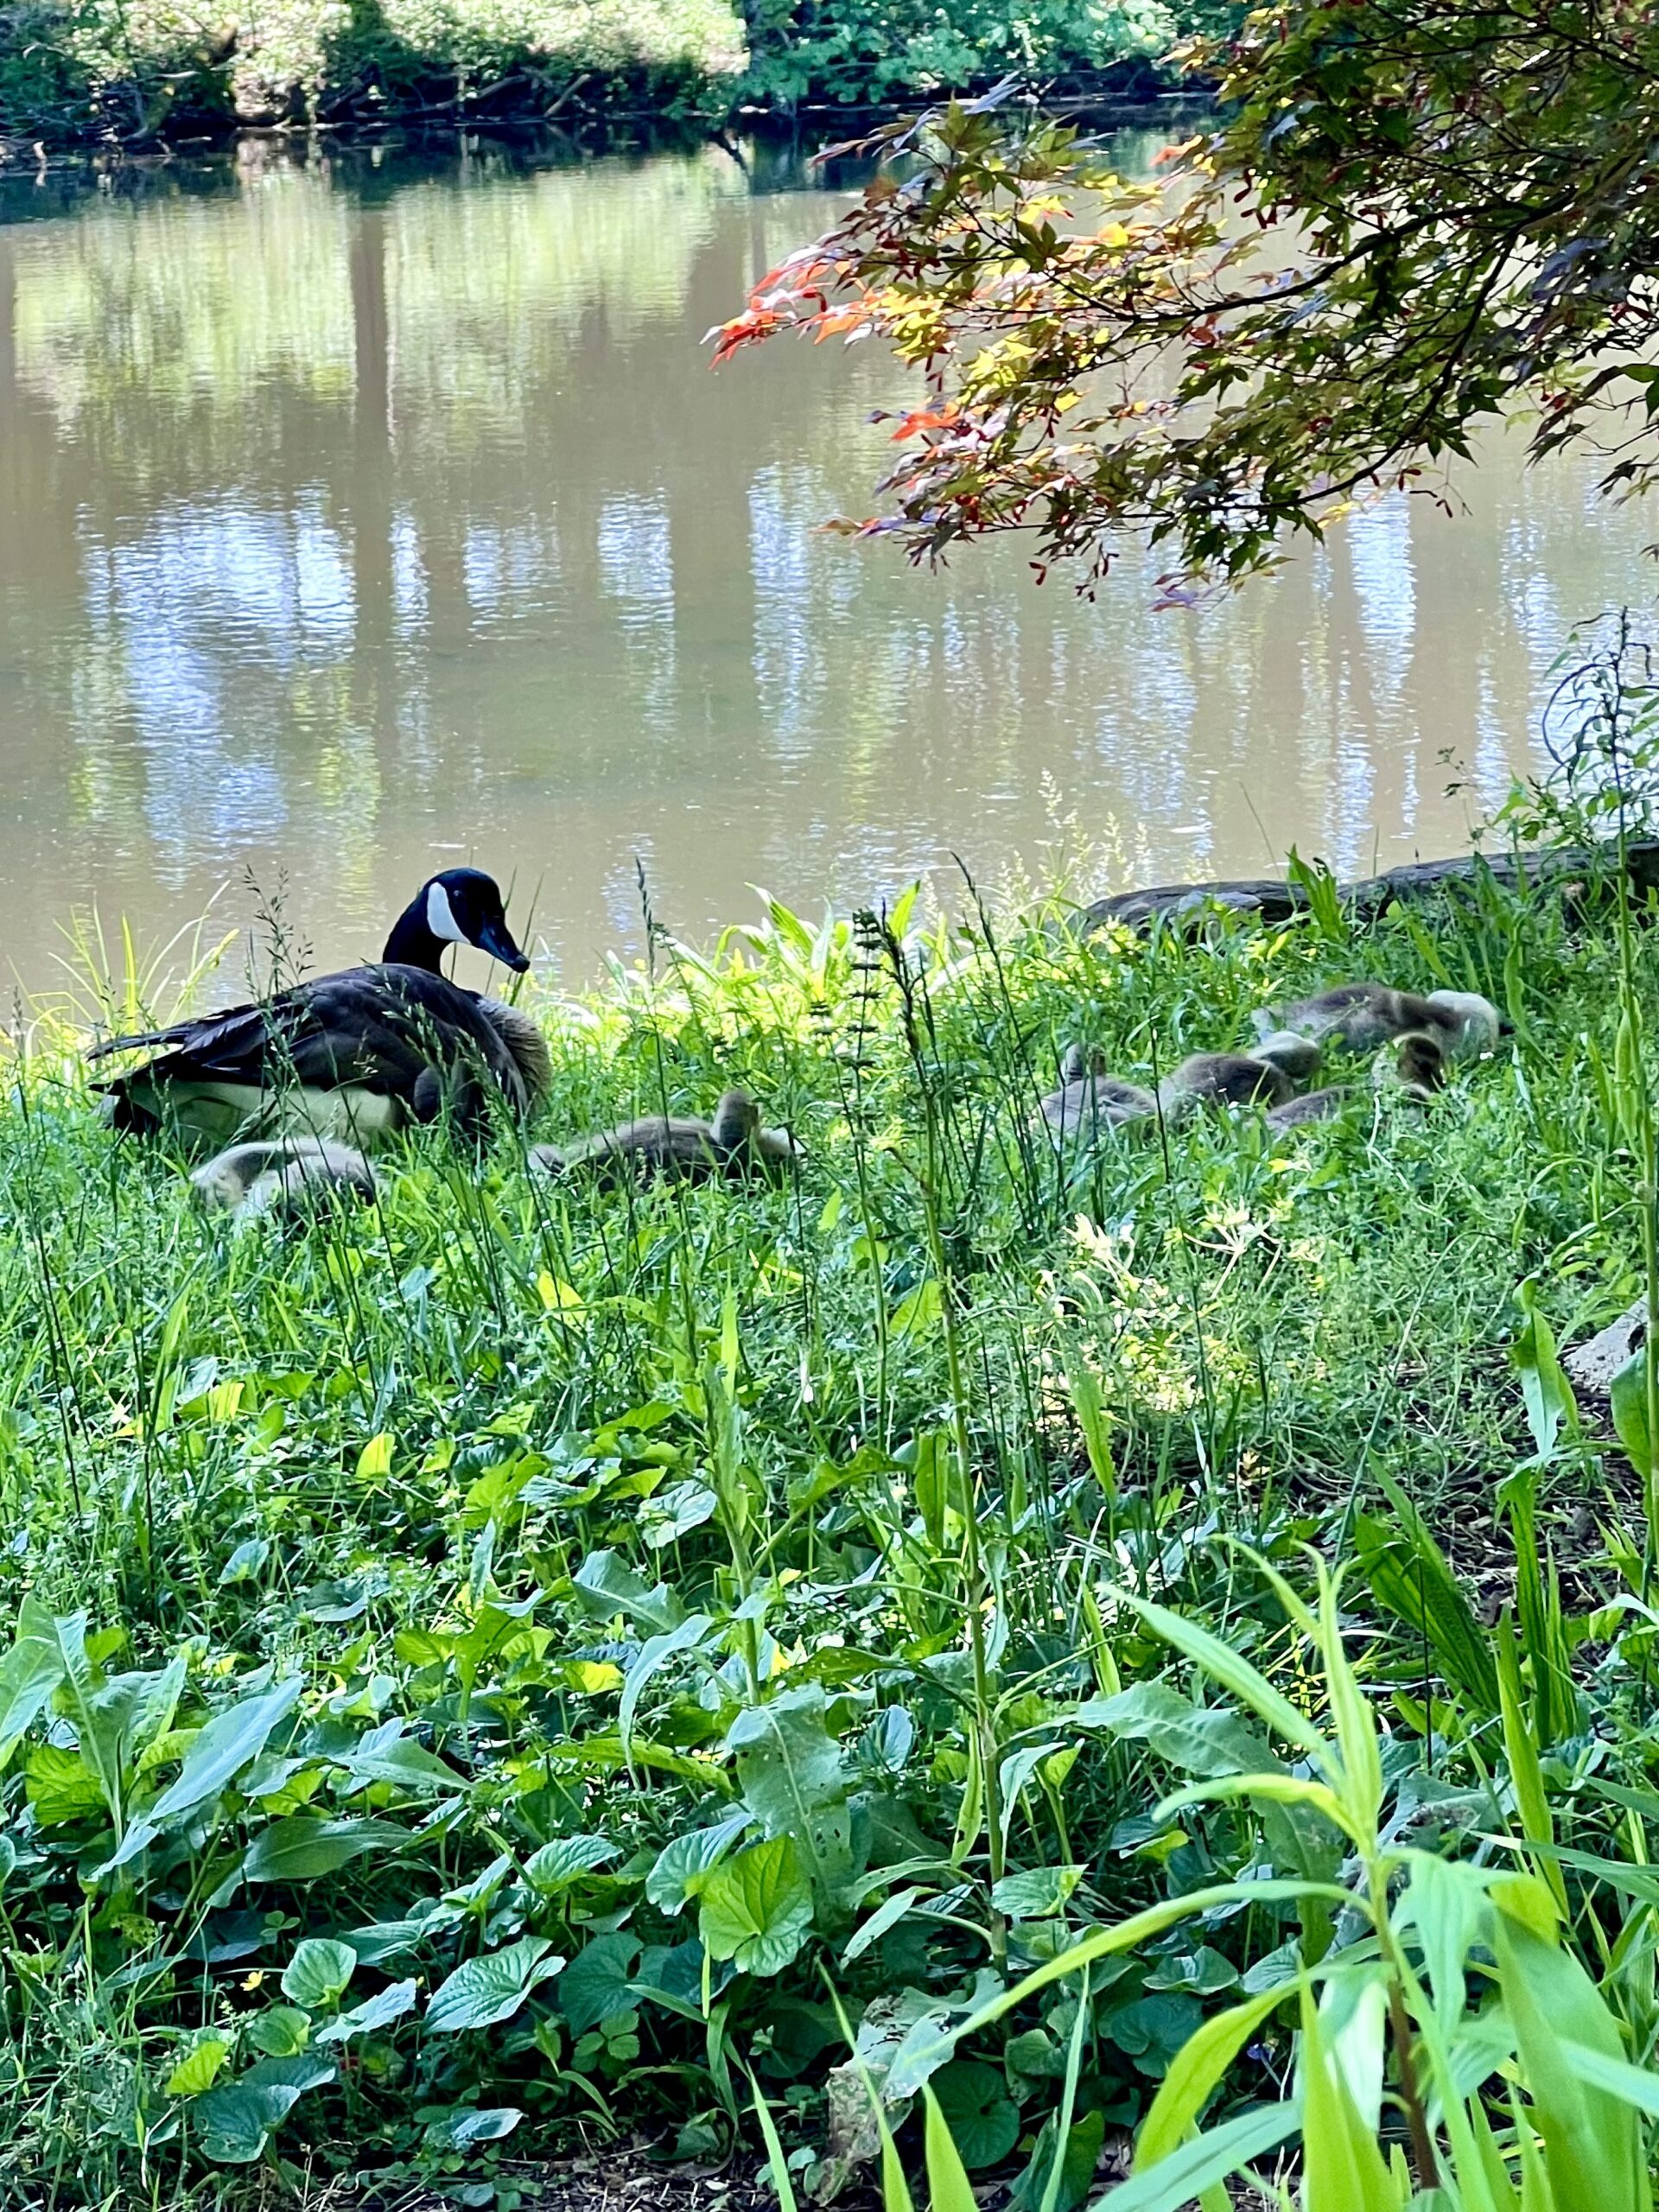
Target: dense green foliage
[
  {"x": 524, "y": 1652},
  {"x": 81, "y": 69},
  {"x": 1453, "y": 218}
]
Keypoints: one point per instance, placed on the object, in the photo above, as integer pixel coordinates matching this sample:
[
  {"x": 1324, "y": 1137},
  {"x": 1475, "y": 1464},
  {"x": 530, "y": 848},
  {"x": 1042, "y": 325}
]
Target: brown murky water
[{"x": 356, "y": 516}]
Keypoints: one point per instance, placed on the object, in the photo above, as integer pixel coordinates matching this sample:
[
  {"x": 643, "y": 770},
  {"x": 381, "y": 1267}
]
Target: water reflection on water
[{"x": 358, "y": 513}]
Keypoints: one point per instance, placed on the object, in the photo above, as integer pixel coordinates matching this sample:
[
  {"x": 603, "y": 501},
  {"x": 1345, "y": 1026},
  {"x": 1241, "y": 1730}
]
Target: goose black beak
[{"x": 494, "y": 938}]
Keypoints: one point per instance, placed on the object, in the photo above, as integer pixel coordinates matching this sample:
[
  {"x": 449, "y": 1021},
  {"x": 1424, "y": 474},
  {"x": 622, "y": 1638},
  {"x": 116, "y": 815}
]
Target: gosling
[
  {"x": 1415, "y": 1068},
  {"x": 1291, "y": 1052},
  {"x": 293, "y": 1178},
  {"x": 1090, "y": 1099},
  {"x": 1363, "y": 1016},
  {"x": 1222, "y": 1079},
  {"x": 733, "y": 1144},
  {"x": 1312, "y": 1106}
]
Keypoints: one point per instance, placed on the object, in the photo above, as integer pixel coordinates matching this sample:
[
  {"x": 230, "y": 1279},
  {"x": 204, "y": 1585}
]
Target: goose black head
[{"x": 460, "y": 907}]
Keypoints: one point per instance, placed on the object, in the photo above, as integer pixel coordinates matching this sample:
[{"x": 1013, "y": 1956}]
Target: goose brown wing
[{"x": 379, "y": 1026}]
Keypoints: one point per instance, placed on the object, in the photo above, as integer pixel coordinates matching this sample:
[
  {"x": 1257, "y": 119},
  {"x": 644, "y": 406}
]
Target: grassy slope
[{"x": 374, "y": 1457}]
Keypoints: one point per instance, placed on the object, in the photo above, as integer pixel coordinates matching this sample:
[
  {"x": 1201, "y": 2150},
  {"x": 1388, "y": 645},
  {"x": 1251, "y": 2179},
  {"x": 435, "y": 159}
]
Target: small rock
[{"x": 1592, "y": 1366}]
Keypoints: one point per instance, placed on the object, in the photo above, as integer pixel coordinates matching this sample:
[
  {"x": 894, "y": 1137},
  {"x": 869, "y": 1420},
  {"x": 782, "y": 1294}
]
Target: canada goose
[
  {"x": 292, "y": 1176},
  {"x": 1364, "y": 1015},
  {"x": 353, "y": 1055},
  {"x": 732, "y": 1144},
  {"x": 1089, "y": 1098},
  {"x": 1224, "y": 1079}
]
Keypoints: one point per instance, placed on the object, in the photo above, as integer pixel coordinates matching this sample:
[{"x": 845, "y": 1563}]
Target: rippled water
[{"x": 356, "y": 514}]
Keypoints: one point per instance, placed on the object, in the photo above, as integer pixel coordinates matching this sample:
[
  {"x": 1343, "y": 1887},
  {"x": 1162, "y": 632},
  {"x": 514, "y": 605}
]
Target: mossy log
[{"x": 1271, "y": 900}]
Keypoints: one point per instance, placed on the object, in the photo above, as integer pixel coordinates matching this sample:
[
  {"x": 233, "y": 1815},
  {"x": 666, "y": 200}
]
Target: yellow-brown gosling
[
  {"x": 293, "y": 1177},
  {"x": 1414, "y": 1066},
  {"x": 1090, "y": 1099},
  {"x": 1365, "y": 1015},
  {"x": 1417, "y": 1065},
  {"x": 1291, "y": 1052},
  {"x": 1312, "y": 1106},
  {"x": 1224, "y": 1079},
  {"x": 733, "y": 1144}
]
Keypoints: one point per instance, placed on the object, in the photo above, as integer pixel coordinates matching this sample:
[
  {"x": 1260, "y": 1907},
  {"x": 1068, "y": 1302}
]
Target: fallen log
[{"x": 1271, "y": 900}]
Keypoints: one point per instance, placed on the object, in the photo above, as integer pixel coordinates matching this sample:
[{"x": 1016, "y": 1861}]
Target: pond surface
[{"x": 359, "y": 514}]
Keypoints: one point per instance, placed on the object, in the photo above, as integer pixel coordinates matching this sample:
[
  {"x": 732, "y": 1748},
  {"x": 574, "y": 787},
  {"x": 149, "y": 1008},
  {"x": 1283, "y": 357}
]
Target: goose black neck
[{"x": 411, "y": 943}]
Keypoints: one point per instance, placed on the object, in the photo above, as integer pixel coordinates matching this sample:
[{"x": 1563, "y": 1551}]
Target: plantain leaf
[{"x": 483, "y": 1991}]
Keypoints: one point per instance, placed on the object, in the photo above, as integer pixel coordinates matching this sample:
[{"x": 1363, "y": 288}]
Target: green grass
[{"x": 506, "y": 1514}]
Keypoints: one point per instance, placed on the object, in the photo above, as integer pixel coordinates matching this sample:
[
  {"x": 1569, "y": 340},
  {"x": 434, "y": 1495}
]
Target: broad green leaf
[
  {"x": 378, "y": 2011},
  {"x": 1194, "y": 2073},
  {"x": 1199, "y": 1739},
  {"x": 235, "y": 2120},
  {"x": 983, "y": 2120},
  {"x": 667, "y": 1885},
  {"x": 317, "y": 1974},
  {"x": 244, "y": 1563},
  {"x": 483, "y": 1991},
  {"x": 1628, "y": 1393},
  {"x": 1035, "y": 1893},
  {"x": 608, "y": 1584},
  {"x": 385, "y": 1754},
  {"x": 1048, "y": 2186},
  {"x": 566, "y": 1860},
  {"x": 303, "y": 1847},
  {"x": 674, "y": 1512},
  {"x": 656, "y": 1652},
  {"x": 1233, "y": 1672},
  {"x": 1631, "y": 2085},
  {"x": 279, "y": 2031},
  {"x": 61, "y": 1786},
  {"x": 198, "y": 2068},
  {"x": 596, "y": 1982},
  {"x": 884, "y": 1917},
  {"x": 755, "y": 1909},
  {"x": 29, "y": 1673},
  {"x": 230, "y": 1741},
  {"x": 790, "y": 1772},
  {"x": 1545, "y": 1389},
  {"x": 459, "y": 2131}
]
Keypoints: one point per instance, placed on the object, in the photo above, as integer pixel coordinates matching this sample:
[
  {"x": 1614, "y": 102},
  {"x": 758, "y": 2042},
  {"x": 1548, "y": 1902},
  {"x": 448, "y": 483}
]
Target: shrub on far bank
[{"x": 103, "y": 70}]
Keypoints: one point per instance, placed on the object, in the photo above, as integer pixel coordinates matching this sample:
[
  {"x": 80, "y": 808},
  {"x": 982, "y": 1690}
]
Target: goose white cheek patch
[{"x": 441, "y": 916}]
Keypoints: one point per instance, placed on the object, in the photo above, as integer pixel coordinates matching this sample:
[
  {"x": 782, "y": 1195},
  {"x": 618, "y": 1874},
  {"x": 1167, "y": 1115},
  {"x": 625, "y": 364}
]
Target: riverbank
[
  {"x": 489, "y": 1660},
  {"x": 139, "y": 77}
]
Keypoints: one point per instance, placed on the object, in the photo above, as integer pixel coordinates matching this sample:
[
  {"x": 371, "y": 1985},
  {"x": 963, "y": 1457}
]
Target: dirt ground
[{"x": 624, "y": 2179}]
